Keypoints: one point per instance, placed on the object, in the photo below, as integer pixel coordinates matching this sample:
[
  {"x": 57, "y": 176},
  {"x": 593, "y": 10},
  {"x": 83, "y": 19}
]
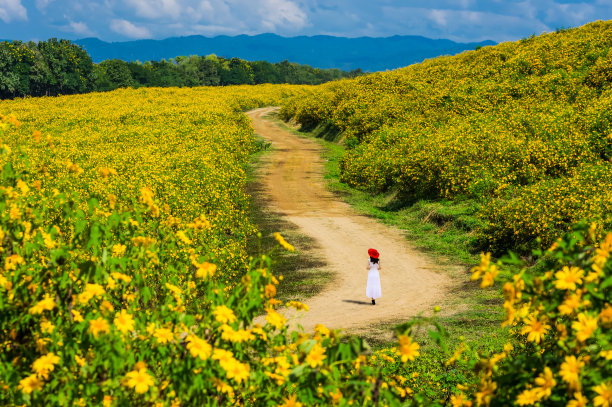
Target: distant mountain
[{"x": 367, "y": 53}]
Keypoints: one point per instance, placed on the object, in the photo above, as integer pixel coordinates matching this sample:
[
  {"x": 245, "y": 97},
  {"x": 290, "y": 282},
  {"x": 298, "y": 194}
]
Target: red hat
[{"x": 373, "y": 253}]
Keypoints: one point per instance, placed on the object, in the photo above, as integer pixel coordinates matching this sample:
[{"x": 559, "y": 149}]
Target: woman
[{"x": 373, "y": 288}]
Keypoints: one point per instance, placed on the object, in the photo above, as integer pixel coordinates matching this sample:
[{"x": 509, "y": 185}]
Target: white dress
[{"x": 373, "y": 288}]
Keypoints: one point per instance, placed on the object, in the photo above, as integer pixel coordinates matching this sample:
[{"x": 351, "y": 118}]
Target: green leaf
[
  {"x": 606, "y": 283},
  {"x": 298, "y": 371}
]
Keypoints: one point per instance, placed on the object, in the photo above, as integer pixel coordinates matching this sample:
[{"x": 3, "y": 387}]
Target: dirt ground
[{"x": 411, "y": 281}]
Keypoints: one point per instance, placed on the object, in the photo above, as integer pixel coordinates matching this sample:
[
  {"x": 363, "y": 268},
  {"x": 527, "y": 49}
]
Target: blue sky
[{"x": 459, "y": 20}]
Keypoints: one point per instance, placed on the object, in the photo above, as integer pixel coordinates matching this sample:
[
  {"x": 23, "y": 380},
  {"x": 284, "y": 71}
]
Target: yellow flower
[
  {"x": 322, "y": 330},
  {"x": 76, "y": 315},
  {"x": 45, "y": 364},
  {"x": 105, "y": 172},
  {"x": 605, "y": 316},
  {"x": 12, "y": 261},
  {"x": 485, "y": 261},
  {"x": 591, "y": 276},
  {"x": 510, "y": 313},
  {"x": 222, "y": 387},
  {"x": 336, "y": 396},
  {"x": 316, "y": 356},
  {"x": 140, "y": 380},
  {"x": 183, "y": 237},
  {"x": 91, "y": 290},
  {"x": 46, "y": 304},
  {"x": 224, "y": 315},
  {"x": 118, "y": 250},
  {"x": 236, "y": 371},
  {"x": 97, "y": 326},
  {"x": 570, "y": 304},
  {"x": 30, "y": 384},
  {"x": 298, "y": 306},
  {"x": 485, "y": 393},
  {"x": 460, "y": 400},
  {"x": 528, "y": 397},
  {"x": 106, "y": 306},
  {"x": 488, "y": 278},
  {"x": 570, "y": 371},
  {"x": 545, "y": 383},
  {"x": 173, "y": 288},
  {"x": 72, "y": 167},
  {"x": 607, "y": 354},
  {"x": 568, "y": 278},
  {"x": 146, "y": 196},
  {"x": 79, "y": 360},
  {"x": 163, "y": 335},
  {"x": 223, "y": 356},
  {"x": 407, "y": 348},
  {"x": 270, "y": 290},
  {"x": 604, "y": 395},
  {"x": 275, "y": 319},
  {"x": 509, "y": 292},
  {"x": 291, "y": 402},
  {"x": 205, "y": 269},
  {"x": 584, "y": 327},
  {"x": 46, "y": 326},
  {"x": 281, "y": 240},
  {"x": 107, "y": 401},
  {"x": 123, "y": 321},
  {"x": 578, "y": 401},
  {"x": 198, "y": 348},
  {"x": 535, "y": 329}
]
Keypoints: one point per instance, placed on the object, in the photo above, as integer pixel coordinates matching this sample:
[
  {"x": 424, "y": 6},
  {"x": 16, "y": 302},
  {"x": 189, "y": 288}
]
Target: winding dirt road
[{"x": 294, "y": 185}]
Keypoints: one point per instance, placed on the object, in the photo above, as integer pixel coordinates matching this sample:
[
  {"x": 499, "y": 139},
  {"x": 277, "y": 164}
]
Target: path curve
[{"x": 293, "y": 182}]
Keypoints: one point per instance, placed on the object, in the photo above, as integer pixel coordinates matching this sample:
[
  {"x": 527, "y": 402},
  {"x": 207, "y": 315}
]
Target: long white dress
[{"x": 373, "y": 288}]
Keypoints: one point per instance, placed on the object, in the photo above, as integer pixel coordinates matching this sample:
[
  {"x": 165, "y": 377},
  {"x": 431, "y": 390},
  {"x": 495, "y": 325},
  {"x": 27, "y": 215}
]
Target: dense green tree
[
  {"x": 208, "y": 70},
  {"x": 70, "y": 67},
  {"x": 166, "y": 74},
  {"x": 264, "y": 72},
  {"x": 60, "y": 67},
  {"x": 113, "y": 74},
  {"x": 236, "y": 72},
  {"x": 141, "y": 73}
]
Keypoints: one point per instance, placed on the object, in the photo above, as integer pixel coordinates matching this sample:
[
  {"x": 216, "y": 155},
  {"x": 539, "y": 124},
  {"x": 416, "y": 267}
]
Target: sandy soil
[{"x": 411, "y": 282}]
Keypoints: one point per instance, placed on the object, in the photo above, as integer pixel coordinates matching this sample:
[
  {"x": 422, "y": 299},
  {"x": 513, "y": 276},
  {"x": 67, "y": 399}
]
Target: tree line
[{"x": 54, "y": 67}]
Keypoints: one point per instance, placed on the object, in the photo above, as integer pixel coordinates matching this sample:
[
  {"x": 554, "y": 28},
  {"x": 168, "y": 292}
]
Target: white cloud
[
  {"x": 438, "y": 16},
  {"x": 42, "y": 4},
  {"x": 12, "y": 10},
  {"x": 128, "y": 29},
  {"x": 173, "y": 10},
  {"x": 574, "y": 14},
  {"x": 154, "y": 9},
  {"x": 79, "y": 28},
  {"x": 282, "y": 13}
]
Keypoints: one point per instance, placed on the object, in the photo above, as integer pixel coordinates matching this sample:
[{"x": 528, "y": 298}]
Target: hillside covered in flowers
[{"x": 524, "y": 129}]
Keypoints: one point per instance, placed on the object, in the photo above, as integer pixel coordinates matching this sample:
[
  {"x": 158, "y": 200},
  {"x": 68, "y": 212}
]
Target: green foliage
[{"x": 45, "y": 68}]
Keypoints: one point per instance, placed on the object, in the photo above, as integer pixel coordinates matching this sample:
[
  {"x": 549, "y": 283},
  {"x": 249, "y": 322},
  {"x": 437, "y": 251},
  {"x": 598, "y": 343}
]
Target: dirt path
[{"x": 293, "y": 182}]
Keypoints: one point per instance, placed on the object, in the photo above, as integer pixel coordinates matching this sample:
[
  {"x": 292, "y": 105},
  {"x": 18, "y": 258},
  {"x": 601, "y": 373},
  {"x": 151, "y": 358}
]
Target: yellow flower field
[
  {"x": 188, "y": 146},
  {"x": 123, "y": 273}
]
